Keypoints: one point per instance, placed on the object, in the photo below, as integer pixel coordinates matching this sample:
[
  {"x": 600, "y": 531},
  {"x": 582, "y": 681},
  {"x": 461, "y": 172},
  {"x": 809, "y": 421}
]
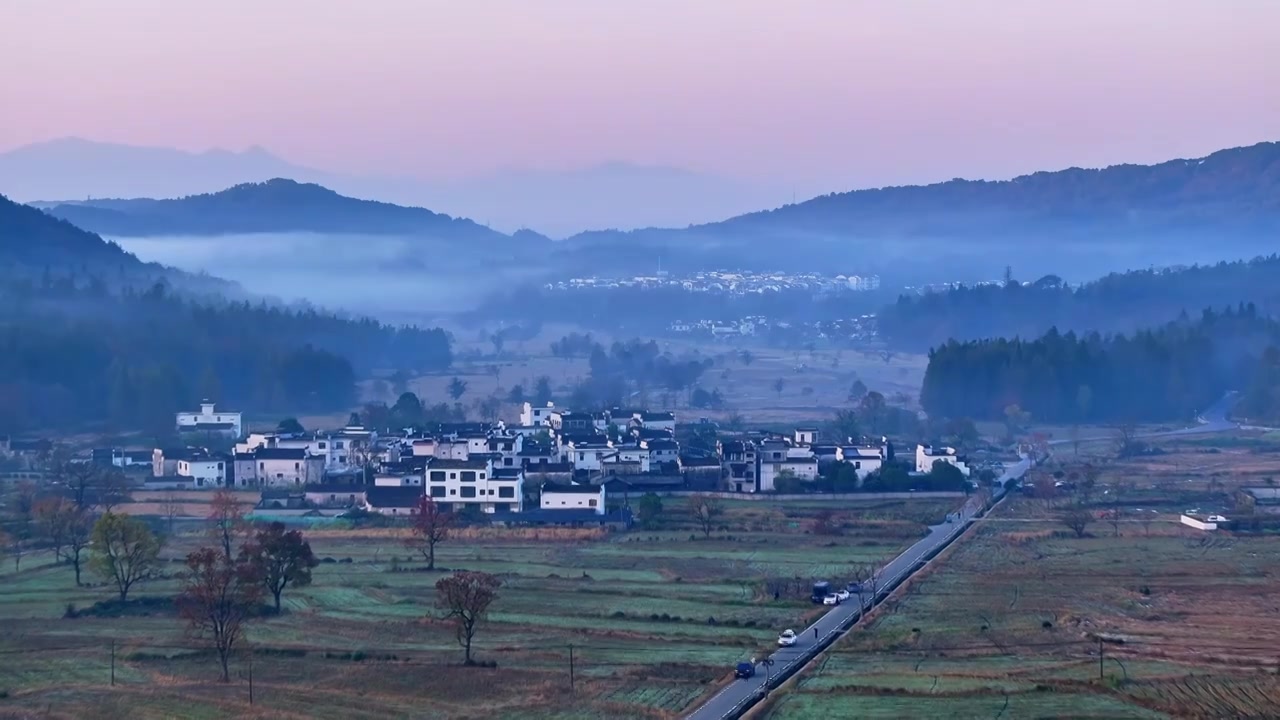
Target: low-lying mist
[{"x": 376, "y": 274}]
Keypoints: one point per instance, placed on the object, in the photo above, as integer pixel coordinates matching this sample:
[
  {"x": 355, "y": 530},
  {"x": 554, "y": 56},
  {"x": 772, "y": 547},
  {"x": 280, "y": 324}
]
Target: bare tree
[
  {"x": 112, "y": 490},
  {"x": 1126, "y": 442},
  {"x": 705, "y": 509},
  {"x": 430, "y": 527},
  {"x": 1077, "y": 519},
  {"x": 226, "y": 520},
  {"x": 220, "y": 596},
  {"x": 171, "y": 507},
  {"x": 465, "y": 596}
]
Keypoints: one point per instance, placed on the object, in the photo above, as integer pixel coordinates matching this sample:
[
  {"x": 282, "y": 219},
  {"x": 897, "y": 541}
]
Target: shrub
[
  {"x": 70, "y": 612},
  {"x": 1046, "y": 625},
  {"x": 712, "y": 620}
]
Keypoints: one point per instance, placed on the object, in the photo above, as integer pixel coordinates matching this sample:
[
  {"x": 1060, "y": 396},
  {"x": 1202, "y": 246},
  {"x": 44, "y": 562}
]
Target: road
[{"x": 741, "y": 694}]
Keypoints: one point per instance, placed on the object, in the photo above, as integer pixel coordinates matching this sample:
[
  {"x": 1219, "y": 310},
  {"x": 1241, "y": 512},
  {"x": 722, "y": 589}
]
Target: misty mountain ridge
[
  {"x": 555, "y": 202},
  {"x": 277, "y": 205},
  {"x": 1074, "y": 222},
  {"x": 34, "y": 243}
]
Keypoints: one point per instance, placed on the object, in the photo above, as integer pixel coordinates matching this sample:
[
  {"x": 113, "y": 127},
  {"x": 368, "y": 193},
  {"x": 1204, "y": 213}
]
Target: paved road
[{"x": 742, "y": 693}]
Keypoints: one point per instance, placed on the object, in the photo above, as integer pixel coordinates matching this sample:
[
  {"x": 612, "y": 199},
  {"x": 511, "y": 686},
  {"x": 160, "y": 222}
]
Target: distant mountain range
[
  {"x": 274, "y": 206},
  {"x": 1074, "y": 222},
  {"x": 558, "y": 203}
]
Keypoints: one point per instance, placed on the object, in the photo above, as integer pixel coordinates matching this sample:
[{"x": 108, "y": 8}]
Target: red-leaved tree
[
  {"x": 430, "y": 528},
  {"x": 220, "y": 596}
]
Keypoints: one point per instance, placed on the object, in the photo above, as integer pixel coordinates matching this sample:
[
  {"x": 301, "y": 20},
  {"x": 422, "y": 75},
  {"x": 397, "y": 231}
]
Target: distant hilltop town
[{"x": 729, "y": 282}]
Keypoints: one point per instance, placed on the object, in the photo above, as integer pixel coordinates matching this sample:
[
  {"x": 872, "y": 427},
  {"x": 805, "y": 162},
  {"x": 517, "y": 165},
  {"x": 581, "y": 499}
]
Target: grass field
[
  {"x": 1007, "y": 623},
  {"x": 656, "y": 620}
]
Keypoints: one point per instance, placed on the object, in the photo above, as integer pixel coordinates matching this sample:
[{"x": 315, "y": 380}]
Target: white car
[
  {"x": 787, "y": 638},
  {"x": 842, "y": 594},
  {"x": 831, "y": 599}
]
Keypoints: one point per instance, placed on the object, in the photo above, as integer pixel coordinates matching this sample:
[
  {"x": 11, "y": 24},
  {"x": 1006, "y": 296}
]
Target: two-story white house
[
  {"x": 927, "y": 455},
  {"x": 865, "y": 460},
  {"x": 208, "y": 471},
  {"x": 459, "y": 483},
  {"x": 209, "y": 420},
  {"x": 739, "y": 464},
  {"x": 586, "y": 455},
  {"x": 557, "y": 496},
  {"x": 278, "y": 467},
  {"x": 661, "y": 451}
]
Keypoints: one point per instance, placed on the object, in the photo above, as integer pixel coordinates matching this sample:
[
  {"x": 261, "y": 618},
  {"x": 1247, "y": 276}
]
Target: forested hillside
[
  {"x": 1167, "y": 373},
  {"x": 74, "y": 355},
  {"x": 90, "y": 336},
  {"x": 1121, "y": 302}
]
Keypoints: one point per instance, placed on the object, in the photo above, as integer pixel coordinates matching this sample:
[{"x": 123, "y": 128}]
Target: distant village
[
  {"x": 857, "y": 329},
  {"x": 743, "y": 282},
  {"x": 554, "y": 466}
]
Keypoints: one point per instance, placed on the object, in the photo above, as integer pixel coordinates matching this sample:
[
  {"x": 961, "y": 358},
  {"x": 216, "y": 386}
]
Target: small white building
[
  {"x": 209, "y": 420},
  {"x": 865, "y": 460},
  {"x": 1201, "y": 521},
  {"x": 547, "y": 416},
  {"x": 927, "y": 455},
  {"x": 587, "y": 455},
  {"x": 397, "y": 480},
  {"x": 658, "y": 421},
  {"x": 573, "y": 497},
  {"x": 204, "y": 470}
]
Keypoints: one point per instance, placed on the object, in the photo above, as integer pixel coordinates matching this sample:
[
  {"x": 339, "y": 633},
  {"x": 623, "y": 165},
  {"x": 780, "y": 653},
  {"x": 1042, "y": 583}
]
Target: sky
[{"x": 820, "y": 94}]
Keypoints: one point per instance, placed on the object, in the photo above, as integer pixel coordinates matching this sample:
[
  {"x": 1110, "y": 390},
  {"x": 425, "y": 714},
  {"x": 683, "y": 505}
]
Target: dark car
[{"x": 745, "y": 670}]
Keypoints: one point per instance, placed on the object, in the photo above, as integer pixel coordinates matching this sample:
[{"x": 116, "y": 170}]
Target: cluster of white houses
[{"x": 554, "y": 460}]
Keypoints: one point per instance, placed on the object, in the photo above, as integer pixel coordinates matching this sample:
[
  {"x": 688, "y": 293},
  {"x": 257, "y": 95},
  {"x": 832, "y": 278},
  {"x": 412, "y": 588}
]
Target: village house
[
  {"x": 547, "y": 416},
  {"x": 738, "y": 459},
  {"x": 573, "y": 497},
  {"x": 587, "y": 455},
  {"x": 392, "y": 500},
  {"x": 927, "y": 455},
  {"x": 459, "y": 483},
  {"x": 278, "y": 467},
  {"x": 209, "y": 420},
  {"x": 554, "y": 471},
  {"x": 661, "y": 452},
  {"x": 205, "y": 469},
  {"x": 332, "y": 495},
  {"x": 865, "y": 460}
]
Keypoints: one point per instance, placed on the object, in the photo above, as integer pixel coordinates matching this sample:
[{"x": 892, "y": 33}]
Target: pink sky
[{"x": 834, "y": 93}]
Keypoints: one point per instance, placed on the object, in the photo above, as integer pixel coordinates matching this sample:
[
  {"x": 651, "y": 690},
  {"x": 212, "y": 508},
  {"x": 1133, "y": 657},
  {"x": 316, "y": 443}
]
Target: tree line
[
  {"x": 1166, "y": 373},
  {"x": 1117, "y": 303},
  {"x": 73, "y": 353}
]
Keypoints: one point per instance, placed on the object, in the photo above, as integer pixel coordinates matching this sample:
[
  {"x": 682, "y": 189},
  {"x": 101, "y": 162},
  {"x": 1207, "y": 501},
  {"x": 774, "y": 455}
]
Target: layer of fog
[{"x": 377, "y": 274}]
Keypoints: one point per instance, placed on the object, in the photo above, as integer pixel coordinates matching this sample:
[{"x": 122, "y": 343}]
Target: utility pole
[
  {"x": 570, "y": 667},
  {"x": 1100, "y": 657},
  {"x": 113, "y": 662},
  {"x": 251, "y": 676}
]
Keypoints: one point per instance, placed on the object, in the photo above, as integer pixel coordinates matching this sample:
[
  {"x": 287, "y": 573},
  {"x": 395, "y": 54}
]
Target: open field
[
  {"x": 1007, "y": 624},
  {"x": 655, "y": 618},
  {"x": 815, "y": 384}
]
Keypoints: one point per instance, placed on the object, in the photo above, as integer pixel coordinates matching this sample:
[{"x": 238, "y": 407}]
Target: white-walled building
[
  {"x": 458, "y": 483},
  {"x": 805, "y": 469},
  {"x": 865, "y": 460},
  {"x": 278, "y": 467},
  {"x": 548, "y": 416},
  {"x": 206, "y": 470},
  {"x": 209, "y": 420},
  {"x": 573, "y": 497},
  {"x": 927, "y": 455},
  {"x": 587, "y": 455}
]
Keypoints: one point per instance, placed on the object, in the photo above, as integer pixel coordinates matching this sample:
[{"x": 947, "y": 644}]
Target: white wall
[
  {"x": 574, "y": 501},
  {"x": 447, "y": 485}
]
